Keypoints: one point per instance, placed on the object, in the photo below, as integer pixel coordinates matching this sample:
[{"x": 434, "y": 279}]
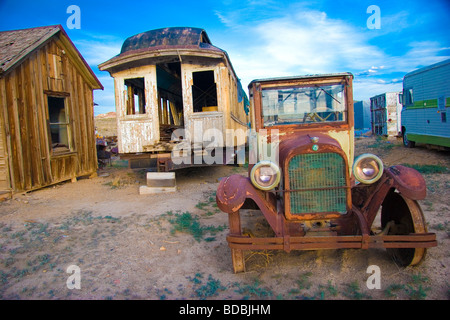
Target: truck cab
[
  {"x": 310, "y": 120},
  {"x": 311, "y": 189}
]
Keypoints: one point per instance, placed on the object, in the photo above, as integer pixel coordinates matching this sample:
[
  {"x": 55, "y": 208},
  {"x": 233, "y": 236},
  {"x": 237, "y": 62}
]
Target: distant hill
[
  {"x": 111, "y": 114},
  {"x": 106, "y": 124}
]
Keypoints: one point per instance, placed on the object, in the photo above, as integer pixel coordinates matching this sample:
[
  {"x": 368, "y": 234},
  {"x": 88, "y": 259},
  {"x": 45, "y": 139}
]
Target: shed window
[
  {"x": 135, "y": 96},
  {"x": 204, "y": 91},
  {"x": 59, "y": 124}
]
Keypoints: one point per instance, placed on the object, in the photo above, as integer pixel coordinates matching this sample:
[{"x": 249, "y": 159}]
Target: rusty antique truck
[{"x": 313, "y": 192}]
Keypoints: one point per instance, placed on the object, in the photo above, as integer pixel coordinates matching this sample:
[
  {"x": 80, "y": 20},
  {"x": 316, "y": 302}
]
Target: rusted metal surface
[
  {"x": 288, "y": 243},
  {"x": 234, "y": 190},
  {"x": 177, "y": 36},
  {"x": 408, "y": 182},
  {"x": 255, "y": 89},
  {"x": 164, "y": 42},
  {"x": 404, "y": 216},
  {"x": 302, "y": 144},
  {"x": 283, "y": 240},
  {"x": 396, "y": 192}
]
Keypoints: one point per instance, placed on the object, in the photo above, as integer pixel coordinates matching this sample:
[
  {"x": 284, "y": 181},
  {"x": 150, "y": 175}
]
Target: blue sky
[{"x": 263, "y": 38}]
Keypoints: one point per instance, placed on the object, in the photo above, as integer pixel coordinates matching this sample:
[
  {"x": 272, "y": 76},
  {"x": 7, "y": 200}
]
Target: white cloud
[
  {"x": 227, "y": 21},
  {"x": 394, "y": 23},
  {"x": 105, "y": 99},
  {"x": 96, "y": 51},
  {"x": 302, "y": 42},
  {"x": 310, "y": 42},
  {"x": 305, "y": 41},
  {"x": 422, "y": 53},
  {"x": 364, "y": 89}
]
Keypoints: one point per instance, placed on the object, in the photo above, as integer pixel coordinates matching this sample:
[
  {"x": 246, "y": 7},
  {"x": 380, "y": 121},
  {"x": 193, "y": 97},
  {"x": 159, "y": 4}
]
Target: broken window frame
[
  {"x": 138, "y": 104},
  {"x": 59, "y": 146},
  {"x": 198, "y": 107}
]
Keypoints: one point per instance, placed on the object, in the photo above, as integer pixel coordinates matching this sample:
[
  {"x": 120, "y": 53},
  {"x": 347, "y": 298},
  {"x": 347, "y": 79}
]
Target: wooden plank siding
[
  {"x": 4, "y": 168},
  {"x": 140, "y": 132},
  {"x": 27, "y": 160}
]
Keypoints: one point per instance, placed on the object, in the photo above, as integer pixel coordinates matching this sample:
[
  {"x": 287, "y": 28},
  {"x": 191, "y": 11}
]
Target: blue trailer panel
[{"x": 426, "y": 100}]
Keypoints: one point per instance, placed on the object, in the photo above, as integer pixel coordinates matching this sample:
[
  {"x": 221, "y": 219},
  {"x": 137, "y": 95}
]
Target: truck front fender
[
  {"x": 231, "y": 193},
  {"x": 408, "y": 182},
  {"x": 235, "y": 189},
  {"x": 368, "y": 198}
]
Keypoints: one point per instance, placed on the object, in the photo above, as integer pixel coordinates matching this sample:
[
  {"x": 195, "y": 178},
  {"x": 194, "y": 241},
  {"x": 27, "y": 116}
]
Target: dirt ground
[{"x": 172, "y": 246}]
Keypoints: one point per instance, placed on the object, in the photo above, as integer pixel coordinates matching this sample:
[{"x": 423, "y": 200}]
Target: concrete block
[
  {"x": 161, "y": 179},
  {"x": 158, "y": 182},
  {"x": 152, "y": 190}
]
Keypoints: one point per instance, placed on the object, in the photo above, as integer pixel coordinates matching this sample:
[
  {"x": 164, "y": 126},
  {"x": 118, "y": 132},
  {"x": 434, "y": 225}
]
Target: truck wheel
[
  {"x": 407, "y": 218},
  {"x": 406, "y": 142}
]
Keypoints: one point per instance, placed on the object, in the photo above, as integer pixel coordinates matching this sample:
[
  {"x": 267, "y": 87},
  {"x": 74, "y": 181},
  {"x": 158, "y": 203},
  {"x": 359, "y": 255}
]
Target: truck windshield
[{"x": 299, "y": 105}]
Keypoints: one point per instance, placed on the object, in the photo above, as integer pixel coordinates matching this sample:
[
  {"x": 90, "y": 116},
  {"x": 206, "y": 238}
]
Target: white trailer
[
  {"x": 426, "y": 100},
  {"x": 385, "y": 110}
]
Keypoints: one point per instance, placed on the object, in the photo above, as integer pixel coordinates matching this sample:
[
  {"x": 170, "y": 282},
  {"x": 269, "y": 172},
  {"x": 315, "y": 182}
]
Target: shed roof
[{"x": 15, "y": 45}]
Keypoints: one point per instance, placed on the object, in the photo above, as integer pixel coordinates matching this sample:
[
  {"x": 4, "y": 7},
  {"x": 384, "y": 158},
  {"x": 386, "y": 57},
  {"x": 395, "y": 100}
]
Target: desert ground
[{"x": 172, "y": 246}]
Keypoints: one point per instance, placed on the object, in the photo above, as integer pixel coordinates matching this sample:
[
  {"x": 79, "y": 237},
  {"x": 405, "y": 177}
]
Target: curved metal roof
[
  {"x": 164, "y": 43},
  {"x": 166, "y": 37}
]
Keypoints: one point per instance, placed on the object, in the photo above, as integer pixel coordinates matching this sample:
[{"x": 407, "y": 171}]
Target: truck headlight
[
  {"x": 265, "y": 175},
  {"x": 367, "y": 168}
]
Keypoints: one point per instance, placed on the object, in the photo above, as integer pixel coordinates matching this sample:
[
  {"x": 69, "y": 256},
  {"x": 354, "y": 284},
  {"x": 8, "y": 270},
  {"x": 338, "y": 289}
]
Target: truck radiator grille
[{"x": 317, "y": 183}]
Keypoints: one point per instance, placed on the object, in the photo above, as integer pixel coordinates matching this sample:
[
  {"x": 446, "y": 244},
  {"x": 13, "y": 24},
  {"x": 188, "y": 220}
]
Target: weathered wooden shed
[
  {"x": 174, "y": 78},
  {"x": 47, "y": 132}
]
